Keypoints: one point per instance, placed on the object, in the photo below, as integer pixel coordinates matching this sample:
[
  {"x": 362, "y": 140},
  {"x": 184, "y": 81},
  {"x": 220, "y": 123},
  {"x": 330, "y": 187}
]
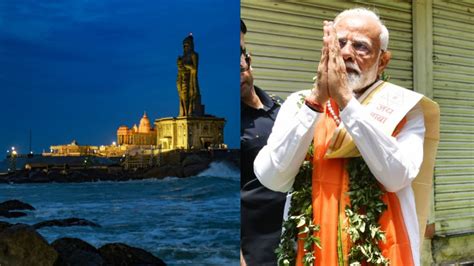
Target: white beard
[
  {"x": 358, "y": 81},
  {"x": 354, "y": 80}
]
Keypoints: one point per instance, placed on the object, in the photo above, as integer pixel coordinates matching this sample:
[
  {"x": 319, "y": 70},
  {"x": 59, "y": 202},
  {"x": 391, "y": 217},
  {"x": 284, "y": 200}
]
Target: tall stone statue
[{"x": 187, "y": 80}]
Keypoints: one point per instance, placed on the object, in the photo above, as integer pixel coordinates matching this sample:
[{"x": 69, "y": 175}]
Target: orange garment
[{"x": 330, "y": 185}]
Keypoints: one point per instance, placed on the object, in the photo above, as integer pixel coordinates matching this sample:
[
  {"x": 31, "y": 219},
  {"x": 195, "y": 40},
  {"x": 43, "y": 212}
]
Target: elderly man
[
  {"x": 261, "y": 208},
  {"x": 366, "y": 214}
]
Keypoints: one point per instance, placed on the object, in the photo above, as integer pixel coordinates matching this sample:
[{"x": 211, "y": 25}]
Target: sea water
[{"x": 183, "y": 221}]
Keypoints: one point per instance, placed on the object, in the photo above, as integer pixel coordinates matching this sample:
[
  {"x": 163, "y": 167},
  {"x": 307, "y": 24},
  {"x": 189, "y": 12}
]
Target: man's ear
[{"x": 383, "y": 61}]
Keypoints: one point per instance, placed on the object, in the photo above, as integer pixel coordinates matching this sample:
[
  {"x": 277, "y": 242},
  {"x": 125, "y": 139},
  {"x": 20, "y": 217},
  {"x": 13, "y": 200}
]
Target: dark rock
[
  {"x": 35, "y": 179},
  {"x": 37, "y": 174},
  {"x": 121, "y": 254},
  {"x": 195, "y": 159},
  {"x": 194, "y": 164},
  {"x": 76, "y": 252},
  {"x": 60, "y": 179},
  {"x": 66, "y": 222},
  {"x": 10, "y": 205},
  {"x": 19, "y": 180},
  {"x": 79, "y": 176},
  {"x": 163, "y": 171},
  {"x": 7, "y": 214},
  {"x": 194, "y": 169},
  {"x": 4, "y": 225},
  {"x": 21, "y": 245},
  {"x": 156, "y": 172}
]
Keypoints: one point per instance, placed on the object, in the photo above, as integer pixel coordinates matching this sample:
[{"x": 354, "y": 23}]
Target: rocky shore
[
  {"x": 21, "y": 244},
  {"x": 185, "y": 166}
]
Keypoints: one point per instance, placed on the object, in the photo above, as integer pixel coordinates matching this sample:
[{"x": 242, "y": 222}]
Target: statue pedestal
[{"x": 189, "y": 133}]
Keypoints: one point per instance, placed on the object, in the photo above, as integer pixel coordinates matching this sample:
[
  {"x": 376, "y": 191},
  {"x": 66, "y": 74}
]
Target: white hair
[{"x": 360, "y": 11}]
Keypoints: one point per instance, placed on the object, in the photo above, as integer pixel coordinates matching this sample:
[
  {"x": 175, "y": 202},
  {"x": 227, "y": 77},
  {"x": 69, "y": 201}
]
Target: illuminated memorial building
[
  {"x": 192, "y": 129},
  {"x": 144, "y": 134}
]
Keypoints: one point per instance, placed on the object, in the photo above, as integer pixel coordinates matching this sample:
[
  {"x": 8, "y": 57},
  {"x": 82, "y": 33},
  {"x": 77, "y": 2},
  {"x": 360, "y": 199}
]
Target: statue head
[{"x": 188, "y": 44}]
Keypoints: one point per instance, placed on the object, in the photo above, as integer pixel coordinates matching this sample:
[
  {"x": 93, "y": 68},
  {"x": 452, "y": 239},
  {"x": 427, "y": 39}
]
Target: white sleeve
[
  {"x": 277, "y": 163},
  {"x": 394, "y": 161}
]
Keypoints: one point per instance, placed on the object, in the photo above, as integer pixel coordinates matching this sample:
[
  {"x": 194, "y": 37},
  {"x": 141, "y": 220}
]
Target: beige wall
[{"x": 189, "y": 132}]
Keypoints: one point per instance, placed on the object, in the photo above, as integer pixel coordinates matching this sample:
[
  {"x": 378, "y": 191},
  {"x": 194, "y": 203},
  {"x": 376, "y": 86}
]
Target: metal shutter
[
  {"x": 285, "y": 40},
  {"x": 453, "y": 79}
]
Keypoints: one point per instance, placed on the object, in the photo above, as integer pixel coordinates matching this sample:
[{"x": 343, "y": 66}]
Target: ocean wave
[
  {"x": 184, "y": 221},
  {"x": 221, "y": 170}
]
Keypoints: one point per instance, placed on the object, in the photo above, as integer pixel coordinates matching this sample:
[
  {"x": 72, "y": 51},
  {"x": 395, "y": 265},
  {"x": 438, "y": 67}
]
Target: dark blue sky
[{"x": 78, "y": 69}]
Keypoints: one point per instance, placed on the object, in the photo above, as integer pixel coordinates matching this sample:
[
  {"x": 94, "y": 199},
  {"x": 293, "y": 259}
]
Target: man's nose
[
  {"x": 347, "y": 52},
  {"x": 243, "y": 62}
]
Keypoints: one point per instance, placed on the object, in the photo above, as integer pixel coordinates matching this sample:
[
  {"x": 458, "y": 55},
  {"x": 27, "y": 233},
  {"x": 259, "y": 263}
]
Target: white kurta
[{"x": 394, "y": 161}]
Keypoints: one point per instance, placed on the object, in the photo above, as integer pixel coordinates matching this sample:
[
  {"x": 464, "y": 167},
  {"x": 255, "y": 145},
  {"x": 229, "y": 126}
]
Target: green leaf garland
[
  {"x": 299, "y": 224},
  {"x": 363, "y": 215},
  {"x": 366, "y": 208}
]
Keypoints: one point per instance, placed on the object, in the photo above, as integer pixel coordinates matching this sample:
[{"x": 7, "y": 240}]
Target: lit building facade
[
  {"x": 187, "y": 133},
  {"x": 72, "y": 149},
  {"x": 142, "y": 135}
]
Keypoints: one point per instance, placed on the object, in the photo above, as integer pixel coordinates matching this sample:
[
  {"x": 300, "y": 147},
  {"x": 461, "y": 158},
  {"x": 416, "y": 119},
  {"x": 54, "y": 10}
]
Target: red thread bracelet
[{"x": 313, "y": 105}]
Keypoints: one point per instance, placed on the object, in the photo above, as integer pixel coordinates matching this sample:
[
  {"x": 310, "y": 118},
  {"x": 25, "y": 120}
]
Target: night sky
[{"x": 78, "y": 69}]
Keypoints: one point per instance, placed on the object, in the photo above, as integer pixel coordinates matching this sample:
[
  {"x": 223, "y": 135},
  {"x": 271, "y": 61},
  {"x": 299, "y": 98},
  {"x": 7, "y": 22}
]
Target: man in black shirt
[{"x": 261, "y": 208}]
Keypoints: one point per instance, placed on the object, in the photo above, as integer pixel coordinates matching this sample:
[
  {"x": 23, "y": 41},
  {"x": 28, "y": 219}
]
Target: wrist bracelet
[{"x": 313, "y": 105}]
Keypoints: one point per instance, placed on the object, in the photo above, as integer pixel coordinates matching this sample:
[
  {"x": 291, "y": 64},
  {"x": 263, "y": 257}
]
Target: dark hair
[{"x": 243, "y": 28}]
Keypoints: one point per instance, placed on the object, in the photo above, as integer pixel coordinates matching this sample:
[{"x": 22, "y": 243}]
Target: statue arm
[
  {"x": 180, "y": 63},
  {"x": 180, "y": 69},
  {"x": 194, "y": 62}
]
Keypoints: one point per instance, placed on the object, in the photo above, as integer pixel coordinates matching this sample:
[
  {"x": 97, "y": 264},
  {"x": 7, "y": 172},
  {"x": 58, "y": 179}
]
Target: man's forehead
[
  {"x": 362, "y": 27},
  {"x": 365, "y": 24}
]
